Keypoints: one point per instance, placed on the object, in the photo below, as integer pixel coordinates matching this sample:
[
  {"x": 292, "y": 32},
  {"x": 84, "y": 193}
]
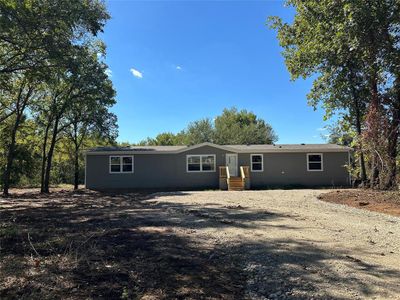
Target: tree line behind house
[
  {"x": 55, "y": 92},
  {"x": 232, "y": 127},
  {"x": 351, "y": 48}
]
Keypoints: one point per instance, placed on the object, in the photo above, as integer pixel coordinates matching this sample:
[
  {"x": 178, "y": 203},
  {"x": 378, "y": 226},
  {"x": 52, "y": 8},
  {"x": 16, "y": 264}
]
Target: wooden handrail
[
  {"x": 228, "y": 175},
  {"x": 244, "y": 172},
  {"x": 222, "y": 172}
]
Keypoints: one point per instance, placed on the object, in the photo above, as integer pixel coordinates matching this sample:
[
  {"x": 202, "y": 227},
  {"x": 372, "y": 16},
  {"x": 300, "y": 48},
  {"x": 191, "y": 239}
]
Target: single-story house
[{"x": 211, "y": 166}]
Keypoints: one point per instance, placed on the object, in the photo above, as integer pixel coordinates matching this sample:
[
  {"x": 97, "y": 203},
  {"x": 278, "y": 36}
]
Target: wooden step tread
[{"x": 236, "y": 184}]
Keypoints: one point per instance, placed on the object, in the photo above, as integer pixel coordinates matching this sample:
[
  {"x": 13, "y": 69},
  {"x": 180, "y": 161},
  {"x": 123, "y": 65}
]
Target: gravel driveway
[
  {"x": 277, "y": 244},
  {"x": 291, "y": 245}
]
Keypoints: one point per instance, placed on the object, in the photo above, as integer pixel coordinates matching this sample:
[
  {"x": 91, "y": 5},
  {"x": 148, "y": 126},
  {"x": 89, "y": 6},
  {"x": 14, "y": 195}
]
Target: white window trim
[
  {"x": 121, "y": 164},
  {"x": 308, "y": 162},
  {"x": 262, "y": 162},
  {"x": 201, "y": 163}
]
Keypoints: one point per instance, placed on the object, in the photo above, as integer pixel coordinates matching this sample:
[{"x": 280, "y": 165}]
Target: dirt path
[
  {"x": 196, "y": 245},
  {"x": 293, "y": 245}
]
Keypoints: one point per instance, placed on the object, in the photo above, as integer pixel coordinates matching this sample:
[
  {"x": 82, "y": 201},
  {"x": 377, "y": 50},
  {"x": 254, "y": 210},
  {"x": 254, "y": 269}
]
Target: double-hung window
[
  {"x": 121, "y": 164},
  {"x": 256, "y": 162},
  {"x": 315, "y": 162},
  {"x": 200, "y": 163}
]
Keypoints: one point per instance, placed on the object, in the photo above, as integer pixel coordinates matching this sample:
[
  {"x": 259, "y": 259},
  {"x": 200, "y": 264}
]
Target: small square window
[
  {"x": 256, "y": 162},
  {"x": 314, "y": 162}
]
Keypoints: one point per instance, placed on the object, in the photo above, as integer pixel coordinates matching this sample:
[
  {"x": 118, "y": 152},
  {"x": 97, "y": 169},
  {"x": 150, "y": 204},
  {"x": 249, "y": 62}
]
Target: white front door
[{"x": 232, "y": 164}]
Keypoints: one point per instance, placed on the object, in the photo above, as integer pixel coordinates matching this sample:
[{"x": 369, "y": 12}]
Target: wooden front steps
[{"x": 235, "y": 183}]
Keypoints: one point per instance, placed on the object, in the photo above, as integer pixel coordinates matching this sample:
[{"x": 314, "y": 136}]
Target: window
[
  {"x": 194, "y": 163},
  {"x": 121, "y": 164},
  {"x": 256, "y": 162},
  {"x": 314, "y": 162},
  {"x": 200, "y": 163}
]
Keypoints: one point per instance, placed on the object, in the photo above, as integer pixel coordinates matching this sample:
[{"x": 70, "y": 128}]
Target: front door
[{"x": 232, "y": 164}]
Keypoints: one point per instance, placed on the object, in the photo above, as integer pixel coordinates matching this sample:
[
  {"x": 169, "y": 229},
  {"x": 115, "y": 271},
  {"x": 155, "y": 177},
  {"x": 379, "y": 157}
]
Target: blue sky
[{"x": 173, "y": 62}]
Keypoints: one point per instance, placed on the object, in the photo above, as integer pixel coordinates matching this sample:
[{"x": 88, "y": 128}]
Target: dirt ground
[
  {"x": 195, "y": 245},
  {"x": 387, "y": 202}
]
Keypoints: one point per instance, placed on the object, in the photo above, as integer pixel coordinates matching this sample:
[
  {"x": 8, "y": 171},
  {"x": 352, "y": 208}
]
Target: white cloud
[
  {"x": 178, "y": 67},
  {"x": 321, "y": 129},
  {"x": 108, "y": 72},
  {"x": 136, "y": 73}
]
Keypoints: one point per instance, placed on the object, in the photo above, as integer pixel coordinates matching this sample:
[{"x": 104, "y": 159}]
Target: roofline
[
  {"x": 226, "y": 148},
  {"x": 207, "y": 144}
]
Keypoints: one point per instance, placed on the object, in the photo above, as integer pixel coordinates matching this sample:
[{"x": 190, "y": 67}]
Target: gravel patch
[{"x": 290, "y": 245}]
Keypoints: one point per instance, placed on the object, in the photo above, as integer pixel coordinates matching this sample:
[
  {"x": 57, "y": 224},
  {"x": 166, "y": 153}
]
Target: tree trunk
[
  {"x": 392, "y": 151},
  {"x": 49, "y": 158},
  {"x": 20, "y": 108},
  {"x": 393, "y": 139},
  {"x": 76, "y": 168},
  {"x": 374, "y": 108},
  {"x": 10, "y": 156},
  {"x": 44, "y": 157},
  {"x": 363, "y": 171}
]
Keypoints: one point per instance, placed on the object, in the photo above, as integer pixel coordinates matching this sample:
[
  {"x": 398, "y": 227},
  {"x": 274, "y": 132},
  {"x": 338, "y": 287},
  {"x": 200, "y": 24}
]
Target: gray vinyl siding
[
  {"x": 290, "y": 169},
  {"x": 154, "y": 171},
  {"x": 168, "y": 171}
]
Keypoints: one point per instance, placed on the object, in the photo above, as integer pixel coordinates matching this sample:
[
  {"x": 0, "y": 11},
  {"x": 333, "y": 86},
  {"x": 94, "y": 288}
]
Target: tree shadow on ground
[{"x": 132, "y": 245}]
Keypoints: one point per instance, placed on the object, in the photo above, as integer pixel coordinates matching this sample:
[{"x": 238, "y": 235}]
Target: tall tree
[
  {"x": 346, "y": 44},
  {"x": 200, "y": 131},
  {"x": 242, "y": 127},
  {"x": 38, "y": 39},
  {"x": 87, "y": 88},
  {"x": 90, "y": 117},
  {"x": 24, "y": 94}
]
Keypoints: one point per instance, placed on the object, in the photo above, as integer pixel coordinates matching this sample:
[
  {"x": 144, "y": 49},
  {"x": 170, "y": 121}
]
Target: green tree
[
  {"x": 352, "y": 47},
  {"x": 74, "y": 98},
  {"x": 341, "y": 133},
  {"x": 22, "y": 93},
  {"x": 162, "y": 139},
  {"x": 39, "y": 40},
  {"x": 90, "y": 116},
  {"x": 242, "y": 127},
  {"x": 39, "y": 35},
  {"x": 231, "y": 127},
  {"x": 200, "y": 131}
]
